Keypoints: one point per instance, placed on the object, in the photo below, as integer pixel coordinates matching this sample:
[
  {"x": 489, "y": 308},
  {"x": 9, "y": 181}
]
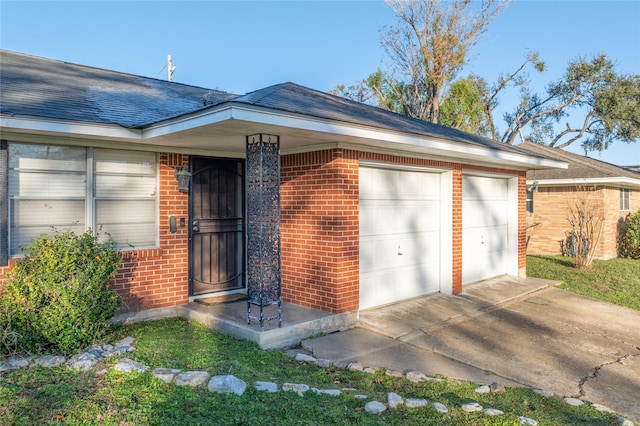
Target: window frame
[
  {"x": 625, "y": 199},
  {"x": 90, "y": 199},
  {"x": 529, "y": 200}
]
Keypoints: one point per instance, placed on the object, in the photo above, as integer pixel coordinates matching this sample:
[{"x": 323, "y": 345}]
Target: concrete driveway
[{"x": 524, "y": 331}]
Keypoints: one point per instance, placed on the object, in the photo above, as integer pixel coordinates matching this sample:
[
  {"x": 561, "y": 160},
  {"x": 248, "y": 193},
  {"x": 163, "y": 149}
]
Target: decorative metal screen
[
  {"x": 263, "y": 226},
  {"x": 4, "y": 210}
]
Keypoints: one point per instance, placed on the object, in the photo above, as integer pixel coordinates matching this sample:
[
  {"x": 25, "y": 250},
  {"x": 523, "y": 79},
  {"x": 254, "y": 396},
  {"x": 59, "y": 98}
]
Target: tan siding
[{"x": 548, "y": 224}]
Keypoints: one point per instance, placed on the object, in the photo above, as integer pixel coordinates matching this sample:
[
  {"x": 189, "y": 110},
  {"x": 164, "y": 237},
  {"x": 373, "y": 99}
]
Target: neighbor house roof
[
  {"x": 39, "y": 94},
  {"x": 582, "y": 169}
]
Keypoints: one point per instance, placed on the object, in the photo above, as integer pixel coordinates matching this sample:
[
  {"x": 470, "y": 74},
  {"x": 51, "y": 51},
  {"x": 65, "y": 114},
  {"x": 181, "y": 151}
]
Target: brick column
[{"x": 456, "y": 239}]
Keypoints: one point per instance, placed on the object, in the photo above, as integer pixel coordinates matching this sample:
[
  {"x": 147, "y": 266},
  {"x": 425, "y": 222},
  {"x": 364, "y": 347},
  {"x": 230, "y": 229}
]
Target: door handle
[
  {"x": 400, "y": 253},
  {"x": 196, "y": 226}
]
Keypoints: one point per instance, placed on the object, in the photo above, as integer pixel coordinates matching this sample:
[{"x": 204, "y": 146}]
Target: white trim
[
  {"x": 268, "y": 117},
  {"x": 507, "y": 175},
  {"x": 233, "y": 111},
  {"x": 41, "y": 139},
  {"x": 402, "y": 167},
  {"x": 586, "y": 181},
  {"x": 68, "y": 127}
]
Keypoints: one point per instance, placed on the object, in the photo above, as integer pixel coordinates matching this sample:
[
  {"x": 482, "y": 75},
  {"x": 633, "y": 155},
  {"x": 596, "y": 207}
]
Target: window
[
  {"x": 529, "y": 201},
  {"x": 625, "y": 196},
  {"x": 75, "y": 188}
]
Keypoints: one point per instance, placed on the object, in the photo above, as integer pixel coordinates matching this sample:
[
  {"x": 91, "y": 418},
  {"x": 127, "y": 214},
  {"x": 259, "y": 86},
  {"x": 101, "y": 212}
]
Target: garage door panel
[
  {"x": 398, "y": 284},
  {"x": 484, "y": 188},
  {"x": 490, "y": 266},
  {"x": 396, "y": 184},
  {"x": 484, "y": 240},
  {"x": 417, "y": 185},
  {"x": 400, "y": 242},
  {"x": 485, "y": 213},
  {"x": 485, "y": 227},
  {"x": 379, "y": 217},
  {"x": 396, "y": 251}
]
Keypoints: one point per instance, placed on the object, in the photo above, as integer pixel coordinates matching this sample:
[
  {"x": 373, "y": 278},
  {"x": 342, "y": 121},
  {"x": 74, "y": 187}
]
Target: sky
[{"x": 241, "y": 46}]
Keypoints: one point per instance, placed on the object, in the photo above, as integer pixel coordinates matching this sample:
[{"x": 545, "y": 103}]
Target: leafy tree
[
  {"x": 464, "y": 107},
  {"x": 427, "y": 48},
  {"x": 591, "y": 103},
  {"x": 608, "y": 104}
]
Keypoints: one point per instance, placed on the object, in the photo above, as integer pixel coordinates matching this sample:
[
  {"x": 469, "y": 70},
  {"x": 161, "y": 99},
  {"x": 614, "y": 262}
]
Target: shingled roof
[
  {"x": 298, "y": 99},
  {"x": 57, "y": 90},
  {"x": 580, "y": 167},
  {"x": 46, "y": 88}
]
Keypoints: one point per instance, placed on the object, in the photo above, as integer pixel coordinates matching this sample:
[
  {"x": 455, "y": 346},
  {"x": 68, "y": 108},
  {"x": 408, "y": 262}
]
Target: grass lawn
[
  {"x": 614, "y": 280},
  {"x": 63, "y": 397}
]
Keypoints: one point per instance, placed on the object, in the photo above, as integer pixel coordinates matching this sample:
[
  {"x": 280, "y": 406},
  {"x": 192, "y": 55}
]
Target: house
[
  {"x": 616, "y": 189},
  {"x": 286, "y": 192}
]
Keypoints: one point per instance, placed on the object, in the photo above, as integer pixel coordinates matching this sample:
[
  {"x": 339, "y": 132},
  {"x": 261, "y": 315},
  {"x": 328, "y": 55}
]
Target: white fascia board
[
  {"x": 70, "y": 128},
  {"x": 192, "y": 121},
  {"x": 265, "y": 116},
  {"x": 618, "y": 181}
]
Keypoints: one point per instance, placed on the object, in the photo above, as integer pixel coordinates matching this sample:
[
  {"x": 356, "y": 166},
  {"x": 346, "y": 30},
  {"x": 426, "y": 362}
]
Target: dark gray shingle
[
  {"x": 50, "y": 89},
  {"x": 46, "y": 88},
  {"x": 580, "y": 167}
]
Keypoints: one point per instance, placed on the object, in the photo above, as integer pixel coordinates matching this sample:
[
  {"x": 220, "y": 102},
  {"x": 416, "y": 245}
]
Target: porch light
[{"x": 183, "y": 177}]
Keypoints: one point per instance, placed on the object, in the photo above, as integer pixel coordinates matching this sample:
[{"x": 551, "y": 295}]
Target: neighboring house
[
  {"x": 616, "y": 189},
  {"x": 360, "y": 206}
]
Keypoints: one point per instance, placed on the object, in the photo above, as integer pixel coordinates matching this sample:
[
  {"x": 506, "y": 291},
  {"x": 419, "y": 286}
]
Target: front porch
[
  {"x": 393, "y": 320},
  {"x": 298, "y": 323}
]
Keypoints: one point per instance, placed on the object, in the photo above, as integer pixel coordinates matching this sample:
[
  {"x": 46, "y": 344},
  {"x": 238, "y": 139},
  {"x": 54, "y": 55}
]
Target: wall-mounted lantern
[{"x": 183, "y": 177}]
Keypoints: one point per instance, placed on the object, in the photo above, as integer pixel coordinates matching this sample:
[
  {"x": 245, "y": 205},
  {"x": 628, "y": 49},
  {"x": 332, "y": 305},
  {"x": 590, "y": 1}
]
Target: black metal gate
[{"x": 217, "y": 216}]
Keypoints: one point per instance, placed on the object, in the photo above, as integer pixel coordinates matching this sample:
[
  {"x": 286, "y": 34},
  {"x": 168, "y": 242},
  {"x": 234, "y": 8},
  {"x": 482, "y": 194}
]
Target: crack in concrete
[{"x": 594, "y": 373}]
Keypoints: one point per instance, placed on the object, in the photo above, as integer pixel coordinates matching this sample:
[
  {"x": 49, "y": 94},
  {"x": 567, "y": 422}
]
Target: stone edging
[{"x": 88, "y": 358}]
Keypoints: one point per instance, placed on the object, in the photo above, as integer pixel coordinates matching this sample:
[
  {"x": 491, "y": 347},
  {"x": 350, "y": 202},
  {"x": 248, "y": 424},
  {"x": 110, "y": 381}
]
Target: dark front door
[{"x": 217, "y": 225}]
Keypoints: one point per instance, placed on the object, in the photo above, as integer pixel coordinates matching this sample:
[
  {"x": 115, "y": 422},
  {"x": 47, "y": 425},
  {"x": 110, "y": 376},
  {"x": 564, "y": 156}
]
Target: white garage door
[
  {"x": 487, "y": 230},
  {"x": 399, "y": 235}
]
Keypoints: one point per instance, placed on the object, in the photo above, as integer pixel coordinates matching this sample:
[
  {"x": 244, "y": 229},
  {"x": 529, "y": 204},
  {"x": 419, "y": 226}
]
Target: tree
[
  {"x": 608, "y": 103},
  {"x": 428, "y": 48},
  {"x": 464, "y": 107},
  {"x": 585, "y": 214}
]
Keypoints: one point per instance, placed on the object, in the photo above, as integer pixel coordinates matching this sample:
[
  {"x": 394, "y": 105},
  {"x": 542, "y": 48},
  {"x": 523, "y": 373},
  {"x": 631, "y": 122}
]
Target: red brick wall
[
  {"x": 158, "y": 277},
  {"x": 319, "y": 231},
  {"x": 456, "y": 243},
  {"x": 319, "y": 234}
]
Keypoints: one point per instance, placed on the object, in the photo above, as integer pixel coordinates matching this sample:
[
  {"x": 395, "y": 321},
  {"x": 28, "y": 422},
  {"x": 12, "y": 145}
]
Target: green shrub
[
  {"x": 631, "y": 240},
  {"x": 56, "y": 297}
]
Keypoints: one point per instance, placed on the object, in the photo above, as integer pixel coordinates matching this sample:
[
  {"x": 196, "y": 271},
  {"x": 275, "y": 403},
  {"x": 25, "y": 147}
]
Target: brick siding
[
  {"x": 320, "y": 225},
  {"x": 157, "y": 277},
  {"x": 548, "y": 224},
  {"x": 319, "y": 233}
]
